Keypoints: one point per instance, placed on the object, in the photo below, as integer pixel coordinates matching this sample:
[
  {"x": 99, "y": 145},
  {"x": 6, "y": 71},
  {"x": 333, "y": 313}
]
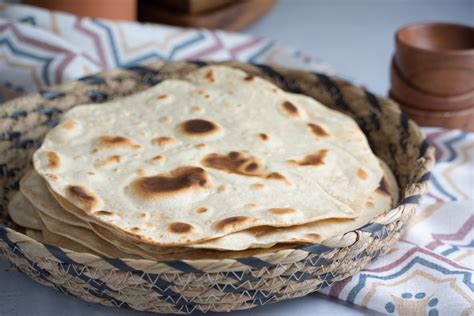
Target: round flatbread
[
  {"x": 22, "y": 213},
  {"x": 188, "y": 161}
]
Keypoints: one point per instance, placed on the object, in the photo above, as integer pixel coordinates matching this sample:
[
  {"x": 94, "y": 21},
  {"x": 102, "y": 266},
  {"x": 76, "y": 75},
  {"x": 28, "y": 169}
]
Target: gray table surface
[{"x": 356, "y": 38}]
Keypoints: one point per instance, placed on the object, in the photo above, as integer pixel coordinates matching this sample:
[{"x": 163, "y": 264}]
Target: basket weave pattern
[{"x": 182, "y": 286}]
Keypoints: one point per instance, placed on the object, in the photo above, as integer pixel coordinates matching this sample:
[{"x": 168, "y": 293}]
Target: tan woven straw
[{"x": 183, "y": 286}]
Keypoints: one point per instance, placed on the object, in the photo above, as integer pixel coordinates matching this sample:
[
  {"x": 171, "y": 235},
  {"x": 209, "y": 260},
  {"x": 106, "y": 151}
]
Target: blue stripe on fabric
[
  {"x": 152, "y": 55},
  {"x": 449, "y": 143},
  {"x": 199, "y": 36},
  {"x": 467, "y": 276},
  {"x": 17, "y": 51},
  {"x": 28, "y": 20},
  {"x": 439, "y": 187},
  {"x": 263, "y": 50},
  {"x": 455, "y": 248}
]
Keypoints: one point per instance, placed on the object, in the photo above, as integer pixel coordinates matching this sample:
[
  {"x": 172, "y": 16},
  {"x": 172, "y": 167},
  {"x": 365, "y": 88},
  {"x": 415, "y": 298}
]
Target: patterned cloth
[{"x": 428, "y": 272}]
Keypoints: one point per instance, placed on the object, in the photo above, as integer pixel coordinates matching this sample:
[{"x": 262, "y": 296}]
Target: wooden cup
[
  {"x": 437, "y": 58},
  {"x": 407, "y": 94},
  {"x": 462, "y": 119}
]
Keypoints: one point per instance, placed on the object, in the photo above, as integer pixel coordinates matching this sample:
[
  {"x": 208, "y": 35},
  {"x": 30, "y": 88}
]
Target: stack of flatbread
[{"x": 220, "y": 164}]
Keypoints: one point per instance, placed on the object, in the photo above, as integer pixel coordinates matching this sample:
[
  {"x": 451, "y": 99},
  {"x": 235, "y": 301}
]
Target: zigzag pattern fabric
[{"x": 428, "y": 272}]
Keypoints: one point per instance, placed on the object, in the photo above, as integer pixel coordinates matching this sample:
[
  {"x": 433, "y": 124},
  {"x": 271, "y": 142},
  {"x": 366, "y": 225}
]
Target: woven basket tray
[{"x": 182, "y": 286}]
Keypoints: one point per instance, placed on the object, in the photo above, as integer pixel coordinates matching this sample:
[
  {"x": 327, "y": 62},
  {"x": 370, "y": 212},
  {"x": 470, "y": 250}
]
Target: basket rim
[{"x": 375, "y": 227}]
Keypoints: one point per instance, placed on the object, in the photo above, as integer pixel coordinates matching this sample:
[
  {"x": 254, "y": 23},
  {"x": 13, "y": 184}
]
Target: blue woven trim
[
  {"x": 198, "y": 63},
  {"x": 158, "y": 285},
  {"x": 97, "y": 96},
  {"x": 93, "y": 80},
  {"x": 9, "y": 136},
  {"x": 425, "y": 177},
  {"x": 17, "y": 251},
  {"x": 317, "y": 262},
  {"x": 412, "y": 199},
  {"x": 114, "y": 301},
  {"x": 59, "y": 254},
  {"x": 68, "y": 266},
  {"x": 372, "y": 228},
  {"x": 231, "y": 288},
  {"x": 403, "y": 132},
  {"x": 327, "y": 278},
  {"x": 376, "y": 230},
  {"x": 51, "y": 94},
  {"x": 288, "y": 85},
  {"x": 376, "y": 109},
  {"x": 425, "y": 144},
  {"x": 146, "y": 73},
  {"x": 6, "y": 172},
  {"x": 316, "y": 248},
  {"x": 181, "y": 266},
  {"x": 27, "y": 143},
  {"x": 119, "y": 264},
  {"x": 162, "y": 287},
  {"x": 40, "y": 272},
  {"x": 49, "y": 112},
  {"x": 141, "y": 70},
  {"x": 254, "y": 262},
  {"x": 240, "y": 276},
  {"x": 334, "y": 92},
  {"x": 17, "y": 114},
  {"x": 260, "y": 302},
  {"x": 301, "y": 276}
]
